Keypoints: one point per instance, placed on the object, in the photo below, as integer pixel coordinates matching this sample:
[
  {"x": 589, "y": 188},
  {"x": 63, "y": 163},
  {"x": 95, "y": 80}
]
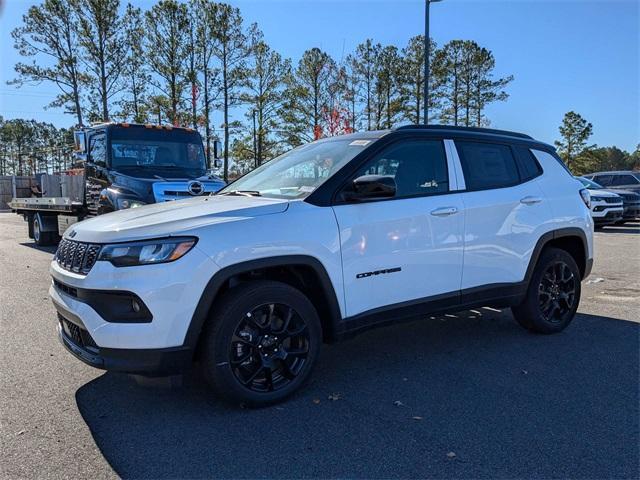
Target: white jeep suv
[{"x": 322, "y": 242}]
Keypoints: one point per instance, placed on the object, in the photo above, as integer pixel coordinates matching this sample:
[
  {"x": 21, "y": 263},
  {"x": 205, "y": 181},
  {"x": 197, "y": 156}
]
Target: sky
[{"x": 564, "y": 54}]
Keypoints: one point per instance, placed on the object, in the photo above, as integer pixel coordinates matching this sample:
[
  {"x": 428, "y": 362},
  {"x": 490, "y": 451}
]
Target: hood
[
  {"x": 172, "y": 218},
  {"x": 601, "y": 192}
]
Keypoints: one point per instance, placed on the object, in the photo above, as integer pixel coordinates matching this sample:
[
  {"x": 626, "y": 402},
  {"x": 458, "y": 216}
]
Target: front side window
[
  {"x": 298, "y": 172},
  {"x": 605, "y": 180},
  {"x": 98, "y": 149},
  {"x": 419, "y": 167},
  {"x": 487, "y": 165}
]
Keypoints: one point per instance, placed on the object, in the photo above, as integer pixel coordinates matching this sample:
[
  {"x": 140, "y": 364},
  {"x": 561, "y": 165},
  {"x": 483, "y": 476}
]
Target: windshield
[
  {"x": 591, "y": 185},
  {"x": 300, "y": 171},
  {"x": 163, "y": 153}
]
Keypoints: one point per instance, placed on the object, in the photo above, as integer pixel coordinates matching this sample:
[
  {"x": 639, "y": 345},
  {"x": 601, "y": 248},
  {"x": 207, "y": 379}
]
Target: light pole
[{"x": 427, "y": 45}]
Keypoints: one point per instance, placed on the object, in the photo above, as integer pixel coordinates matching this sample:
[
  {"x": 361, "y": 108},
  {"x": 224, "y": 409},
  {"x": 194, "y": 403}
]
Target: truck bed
[{"x": 50, "y": 204}]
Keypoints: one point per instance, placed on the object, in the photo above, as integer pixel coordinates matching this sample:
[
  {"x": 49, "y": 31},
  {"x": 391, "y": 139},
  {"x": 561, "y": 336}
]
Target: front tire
[
  {"x": 260, "y": 343},
  {"x": 553, "y": 294}
]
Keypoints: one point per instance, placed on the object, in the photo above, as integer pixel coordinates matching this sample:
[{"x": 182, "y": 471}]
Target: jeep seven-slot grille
[{"x": 77, "y": 257}]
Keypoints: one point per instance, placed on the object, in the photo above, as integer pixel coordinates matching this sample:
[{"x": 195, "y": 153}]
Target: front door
[{"x": 409, "y": 247}]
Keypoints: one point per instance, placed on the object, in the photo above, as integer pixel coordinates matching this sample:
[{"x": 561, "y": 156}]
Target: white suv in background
[
  {"x": 607, "y": 207},
  {"x": 327, "y": 240}
]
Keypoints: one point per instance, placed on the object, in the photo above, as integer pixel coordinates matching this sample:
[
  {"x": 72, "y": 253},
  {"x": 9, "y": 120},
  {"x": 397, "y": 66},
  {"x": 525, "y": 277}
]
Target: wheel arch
[
  {"x": 573, "y": 240},
  {"x": 304, "y": 272}
]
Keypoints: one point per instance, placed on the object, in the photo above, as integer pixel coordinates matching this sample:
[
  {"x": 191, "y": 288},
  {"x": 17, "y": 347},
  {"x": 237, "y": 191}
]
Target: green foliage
[
  {"x": 574, "y": 131},
  {"x": 50, "y": 31},
  {"x": 28, "y": 147},
  {"x": 104, "y": 51}
]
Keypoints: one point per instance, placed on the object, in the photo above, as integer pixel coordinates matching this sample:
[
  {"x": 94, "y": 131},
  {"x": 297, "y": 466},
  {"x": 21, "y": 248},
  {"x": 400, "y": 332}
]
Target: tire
[
  {"x": 41, "y": 238},
  {"x": 553, "y": 294},
  {"x": 247, "y": 358}
]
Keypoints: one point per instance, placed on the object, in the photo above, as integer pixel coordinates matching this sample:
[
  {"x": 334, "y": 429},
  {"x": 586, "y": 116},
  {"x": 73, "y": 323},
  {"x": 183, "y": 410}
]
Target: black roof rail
[{"x": 465, "y": 129}]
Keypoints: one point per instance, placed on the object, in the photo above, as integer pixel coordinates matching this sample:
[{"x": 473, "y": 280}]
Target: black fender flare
[
  {"x": 214, "y": 285},
  {"x": 544, "y": 240}
]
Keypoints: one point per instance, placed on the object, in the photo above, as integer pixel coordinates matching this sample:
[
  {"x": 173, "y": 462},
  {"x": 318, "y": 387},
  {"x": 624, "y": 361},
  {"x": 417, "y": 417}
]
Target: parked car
[
  {"x": 607, "y": 207},
  {"x": 623, "y": 180},
  {"x": 323, "y": 242}
]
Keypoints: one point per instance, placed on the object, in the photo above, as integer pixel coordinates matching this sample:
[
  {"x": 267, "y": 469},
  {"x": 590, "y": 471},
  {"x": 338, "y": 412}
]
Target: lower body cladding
[{"x": 139, "y": 325}]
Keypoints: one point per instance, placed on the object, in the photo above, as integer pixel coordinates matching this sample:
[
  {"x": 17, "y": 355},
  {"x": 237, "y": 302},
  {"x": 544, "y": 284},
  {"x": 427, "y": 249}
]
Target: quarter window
[
  {"x": 487, "y": 165},
  {"x": 527, "y": 164},
  {"x": 419, "y": 167}
]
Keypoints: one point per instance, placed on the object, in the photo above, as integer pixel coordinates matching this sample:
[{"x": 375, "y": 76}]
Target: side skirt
[{"x": 496, "y": 295}]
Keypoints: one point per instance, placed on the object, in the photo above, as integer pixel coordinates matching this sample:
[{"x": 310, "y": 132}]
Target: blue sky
[{"x": 565, "y": 54}]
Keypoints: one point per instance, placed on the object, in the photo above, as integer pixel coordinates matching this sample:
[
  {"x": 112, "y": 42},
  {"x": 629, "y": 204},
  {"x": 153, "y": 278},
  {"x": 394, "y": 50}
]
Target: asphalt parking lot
[{"x": 458, "y": 396}]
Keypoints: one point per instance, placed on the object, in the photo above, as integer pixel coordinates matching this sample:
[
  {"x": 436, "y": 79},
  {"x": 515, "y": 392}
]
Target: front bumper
[
  {"x": 631, "y": 211},
  {"x": 164, "y": 361},
  {"x": 608, "y": 216},
  {"x": 109, "y": 335}
]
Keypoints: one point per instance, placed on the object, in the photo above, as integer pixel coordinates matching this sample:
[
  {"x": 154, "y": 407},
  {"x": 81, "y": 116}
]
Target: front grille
[
  {"x": 77, "y": 335},
  {"x": 77, "y": 257},
  {"x": 630, "y": 198},
  {"x": 611, "y": 200}
]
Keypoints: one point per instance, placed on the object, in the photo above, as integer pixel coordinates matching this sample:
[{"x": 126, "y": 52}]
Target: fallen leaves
[
  {"x": 334, "y": 397},
  {"x": 451, "y": 455}
]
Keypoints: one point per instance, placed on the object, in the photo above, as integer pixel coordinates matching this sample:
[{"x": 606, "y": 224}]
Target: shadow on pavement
[
  {"x": 49, "y": 249},
  {"x": 628, "y": 227},
  {"x": 480, "y": 397}
]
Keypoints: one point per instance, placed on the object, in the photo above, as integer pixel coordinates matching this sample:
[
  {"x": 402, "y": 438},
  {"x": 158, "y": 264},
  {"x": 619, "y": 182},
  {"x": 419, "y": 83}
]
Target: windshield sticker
[{"x": 360, "y": 143}]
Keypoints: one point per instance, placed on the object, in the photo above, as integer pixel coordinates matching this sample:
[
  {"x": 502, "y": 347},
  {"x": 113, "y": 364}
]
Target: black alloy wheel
[
  {"x": 260, "y": 342},
  {"x": 553, "y": 294},
  {"x": 556, "y": 291},
  {"x": 269, "y": 347}
]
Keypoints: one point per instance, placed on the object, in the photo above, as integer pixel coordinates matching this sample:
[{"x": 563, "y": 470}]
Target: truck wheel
[
  {"x": 553, "y": 294},
  {"x": 41, "y": 238},
  {"x": 260, "y": 343}
]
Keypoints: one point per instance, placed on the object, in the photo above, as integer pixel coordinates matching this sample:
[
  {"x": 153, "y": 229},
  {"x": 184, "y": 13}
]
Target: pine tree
[
  {"x": 133, "y": 103},
  {"x": 231, "y": 47},
  {"x": 575, "y": 131},
  {"x": 166, "y": 48},
  {"x": 104, "y": 51},
  {"x": 49, "y": 31}
]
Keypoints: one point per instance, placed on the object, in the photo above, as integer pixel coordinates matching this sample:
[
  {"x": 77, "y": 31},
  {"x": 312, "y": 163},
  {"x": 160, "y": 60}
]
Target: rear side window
[
  {"x": 527, "y": 164},
  {"x": 487, "y": 165}
]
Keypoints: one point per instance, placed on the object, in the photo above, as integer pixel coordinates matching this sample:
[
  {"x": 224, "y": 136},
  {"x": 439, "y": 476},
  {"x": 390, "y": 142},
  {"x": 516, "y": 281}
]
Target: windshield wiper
[{"x": 242, "y": 193}]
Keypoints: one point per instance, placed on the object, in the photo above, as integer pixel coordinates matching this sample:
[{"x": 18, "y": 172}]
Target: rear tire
[
  {"x": 41, "y": 238},
  {"x": 260, "y": 343},
  {"x": 553, "y": 294}
]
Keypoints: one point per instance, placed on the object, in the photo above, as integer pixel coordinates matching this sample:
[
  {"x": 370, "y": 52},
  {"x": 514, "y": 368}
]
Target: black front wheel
[
  {"x": 553, "y": 294},
  {"x": 260, "y": 343}
]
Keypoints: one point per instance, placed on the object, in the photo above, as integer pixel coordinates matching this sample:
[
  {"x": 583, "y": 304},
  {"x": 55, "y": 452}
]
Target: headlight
[
  {"x": 147, "y": 252},
  {"x": 586, "y": 197},
  {"x": 124, "y": 203}
]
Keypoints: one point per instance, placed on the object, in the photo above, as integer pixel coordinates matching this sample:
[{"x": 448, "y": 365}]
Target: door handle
[
  {"x": 529, "y": 200},
  {"x": 444, "y": 211}
]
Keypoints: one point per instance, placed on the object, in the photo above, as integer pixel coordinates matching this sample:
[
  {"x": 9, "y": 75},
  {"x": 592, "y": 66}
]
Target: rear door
[
  {"x": 409, "y": 247},
  {"x": 505, "y": 212}
]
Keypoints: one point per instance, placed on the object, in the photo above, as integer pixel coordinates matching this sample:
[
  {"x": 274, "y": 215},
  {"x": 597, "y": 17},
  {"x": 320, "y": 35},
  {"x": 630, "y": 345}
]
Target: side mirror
[
  {"x": 217, "y": 163},
  {"x": 217, "y": 149},
  {"x": 80, "y": 141},
  {"x": 372, "y": 186}
]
